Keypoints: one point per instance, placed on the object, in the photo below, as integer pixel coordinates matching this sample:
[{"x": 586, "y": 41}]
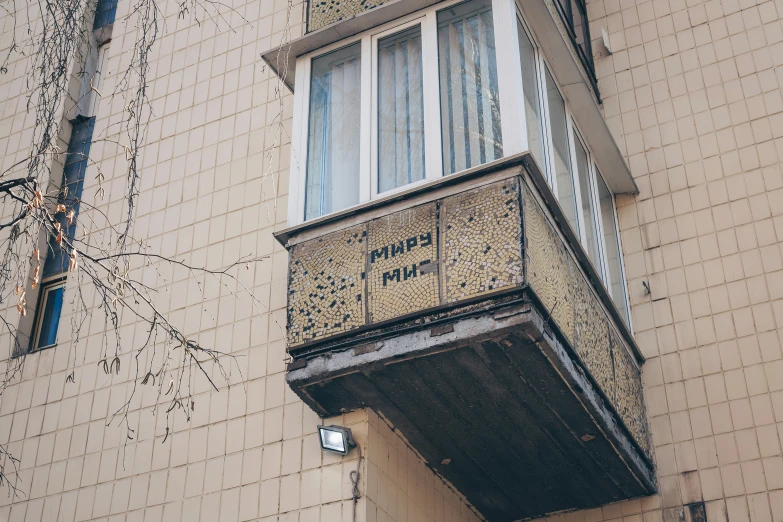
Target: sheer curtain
[
  {"x": 470, "y": 104},
  {"x": 333, "y": 135},
  {"x": 400, "y": 110}
]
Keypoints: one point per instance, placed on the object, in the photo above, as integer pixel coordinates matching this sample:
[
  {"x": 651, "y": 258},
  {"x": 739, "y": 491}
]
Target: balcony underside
[
  {"x": 495, "y": 404},
  {"x": 468, "y": 315}
]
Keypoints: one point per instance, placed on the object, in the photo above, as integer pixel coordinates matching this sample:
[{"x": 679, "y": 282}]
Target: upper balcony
[{"x": 465, "y": 311}]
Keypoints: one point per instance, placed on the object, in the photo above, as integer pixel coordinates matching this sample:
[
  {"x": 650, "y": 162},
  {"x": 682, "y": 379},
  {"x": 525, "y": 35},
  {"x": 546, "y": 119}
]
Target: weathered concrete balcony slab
[{"x": 464, "y": 314}]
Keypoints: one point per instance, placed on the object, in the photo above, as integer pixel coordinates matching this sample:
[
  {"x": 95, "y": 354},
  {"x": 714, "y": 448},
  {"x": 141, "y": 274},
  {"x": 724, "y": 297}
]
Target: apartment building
[{"x": 521, "y": 260}]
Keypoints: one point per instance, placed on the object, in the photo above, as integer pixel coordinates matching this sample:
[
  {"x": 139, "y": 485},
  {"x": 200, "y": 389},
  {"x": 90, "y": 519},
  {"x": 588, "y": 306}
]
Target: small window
[
  {"x": 105, "y": 12},
  {"x": 50, "y": 305},
  {"x": 333, "y": 137},
  {"x": 469, "y": 95},
  {"x": 400, "y": 110}
]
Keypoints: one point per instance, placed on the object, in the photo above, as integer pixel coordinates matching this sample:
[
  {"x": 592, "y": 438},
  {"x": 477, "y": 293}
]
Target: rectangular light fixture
[{"x": 337, "y": 439}]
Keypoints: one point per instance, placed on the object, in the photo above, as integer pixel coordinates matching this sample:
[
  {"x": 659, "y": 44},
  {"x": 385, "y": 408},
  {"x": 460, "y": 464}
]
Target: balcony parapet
[{"x": 471, "y": 280}]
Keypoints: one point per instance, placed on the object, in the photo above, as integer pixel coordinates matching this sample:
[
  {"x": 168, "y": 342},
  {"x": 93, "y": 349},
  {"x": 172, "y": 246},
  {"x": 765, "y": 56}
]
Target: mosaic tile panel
[
  {"x": 403, "y": 263},
  {"x": 563, "y": 290},
  {"x": 326, "y": 285},
  {"x": 592, "y": 335},
  {"x": 548, "y": 270},
  {"x": 482, "y": 240},
  {"x": 629, "y": 399},
  {"x": 325, "y": 12}
]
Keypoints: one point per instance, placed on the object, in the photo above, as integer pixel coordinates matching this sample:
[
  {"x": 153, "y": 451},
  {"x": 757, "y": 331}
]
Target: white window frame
[
  {"x": 505, "y": 14},
  {"x": 52, "y": 283},
  {"x": 509, "y": 87},
  {"x": 542, "y": 66}
]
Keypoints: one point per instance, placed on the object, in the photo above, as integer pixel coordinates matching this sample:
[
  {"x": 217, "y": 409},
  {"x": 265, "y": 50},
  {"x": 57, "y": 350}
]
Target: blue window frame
[
  {"x": 50, "y": 306},
  {"x": 104, "y": 13},
  {"x": 73, "y": 180}
]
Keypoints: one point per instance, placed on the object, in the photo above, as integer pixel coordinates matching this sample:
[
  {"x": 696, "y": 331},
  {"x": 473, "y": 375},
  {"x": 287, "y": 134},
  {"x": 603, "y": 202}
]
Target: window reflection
[
  {"x": 400, "y": 110},
  {"x": 470, "y": 102},
  {"x": 333, "y": 137}
]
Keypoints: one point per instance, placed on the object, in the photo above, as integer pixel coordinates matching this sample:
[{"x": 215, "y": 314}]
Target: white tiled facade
[{"x": 693, "y": 95}]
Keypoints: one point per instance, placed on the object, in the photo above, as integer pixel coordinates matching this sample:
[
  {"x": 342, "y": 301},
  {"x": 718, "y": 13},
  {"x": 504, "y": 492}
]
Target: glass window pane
[
  {"x": 615, "y": 282},
  {"x": 333, "y": 134},
  {"x": 50, "y": 320},
  {"x": 585, "y": 191},
  {"x": 565, "y": 185},
  {"x": 530, "y": 88},
  {"x": 400, "y": 110},
  {"x": 73, "y": 180},
  {"x": 470, "y": 103},
  {"x": 104, "y": 13}
]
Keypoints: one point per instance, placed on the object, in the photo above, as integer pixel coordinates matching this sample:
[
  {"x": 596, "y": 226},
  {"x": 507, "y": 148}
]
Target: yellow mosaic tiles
[
  {"x": 325, "y": 12},
  {"x": 482, "y": 240},
  {"x": 326, "y": 285},
  {"x": 592, "y": 335},
  {"x": 403, "y": 262},
  {"x": 563, "y": 290},
  {"x": 629, "y": 398},
  {"x": 548, "y": 270}
]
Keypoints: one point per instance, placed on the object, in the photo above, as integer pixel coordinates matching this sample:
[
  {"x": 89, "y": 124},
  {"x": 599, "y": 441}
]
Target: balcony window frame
[
  {"x": 432, "y": 165},
  {"x": 511, "y": 130},
  {"x": 542, "y": 67},
  {"x": 506, "y": 14}
]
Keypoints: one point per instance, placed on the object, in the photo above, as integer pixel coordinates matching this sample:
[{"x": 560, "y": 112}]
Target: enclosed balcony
[{"x": 465, "y": 312}]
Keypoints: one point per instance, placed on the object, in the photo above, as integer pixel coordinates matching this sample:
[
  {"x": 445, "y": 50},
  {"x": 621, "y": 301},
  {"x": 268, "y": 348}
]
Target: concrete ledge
[{"x": 497, "y": 405}]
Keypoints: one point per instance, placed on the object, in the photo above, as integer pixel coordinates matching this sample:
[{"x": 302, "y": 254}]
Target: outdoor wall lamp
[{"x": 337, "y": 439}]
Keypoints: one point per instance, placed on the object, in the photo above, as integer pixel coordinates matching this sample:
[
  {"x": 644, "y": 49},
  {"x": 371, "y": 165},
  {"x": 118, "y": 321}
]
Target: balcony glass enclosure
[{"x": 422, "y": 97}]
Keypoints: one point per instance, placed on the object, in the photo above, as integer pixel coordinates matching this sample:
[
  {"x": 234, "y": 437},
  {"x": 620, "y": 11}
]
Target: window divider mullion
[
  {"x": 546, "y": 127},
  {"x": 512, "y": 112},
  {"x": 365, "y": 167},
  {"x": 603, "y": 253},
  {"x": 580, "y": 217},
  {"x": 432, "y": 121},
  {"x": 299, "y": 132},
  {"x": 374, "y": 133}
]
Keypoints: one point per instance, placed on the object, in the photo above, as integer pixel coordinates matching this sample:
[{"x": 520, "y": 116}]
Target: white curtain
[
  {"x": 400, "y": 110},
  {"x": 333, "y": 141},
  {"x": 470, "y": 107}
]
